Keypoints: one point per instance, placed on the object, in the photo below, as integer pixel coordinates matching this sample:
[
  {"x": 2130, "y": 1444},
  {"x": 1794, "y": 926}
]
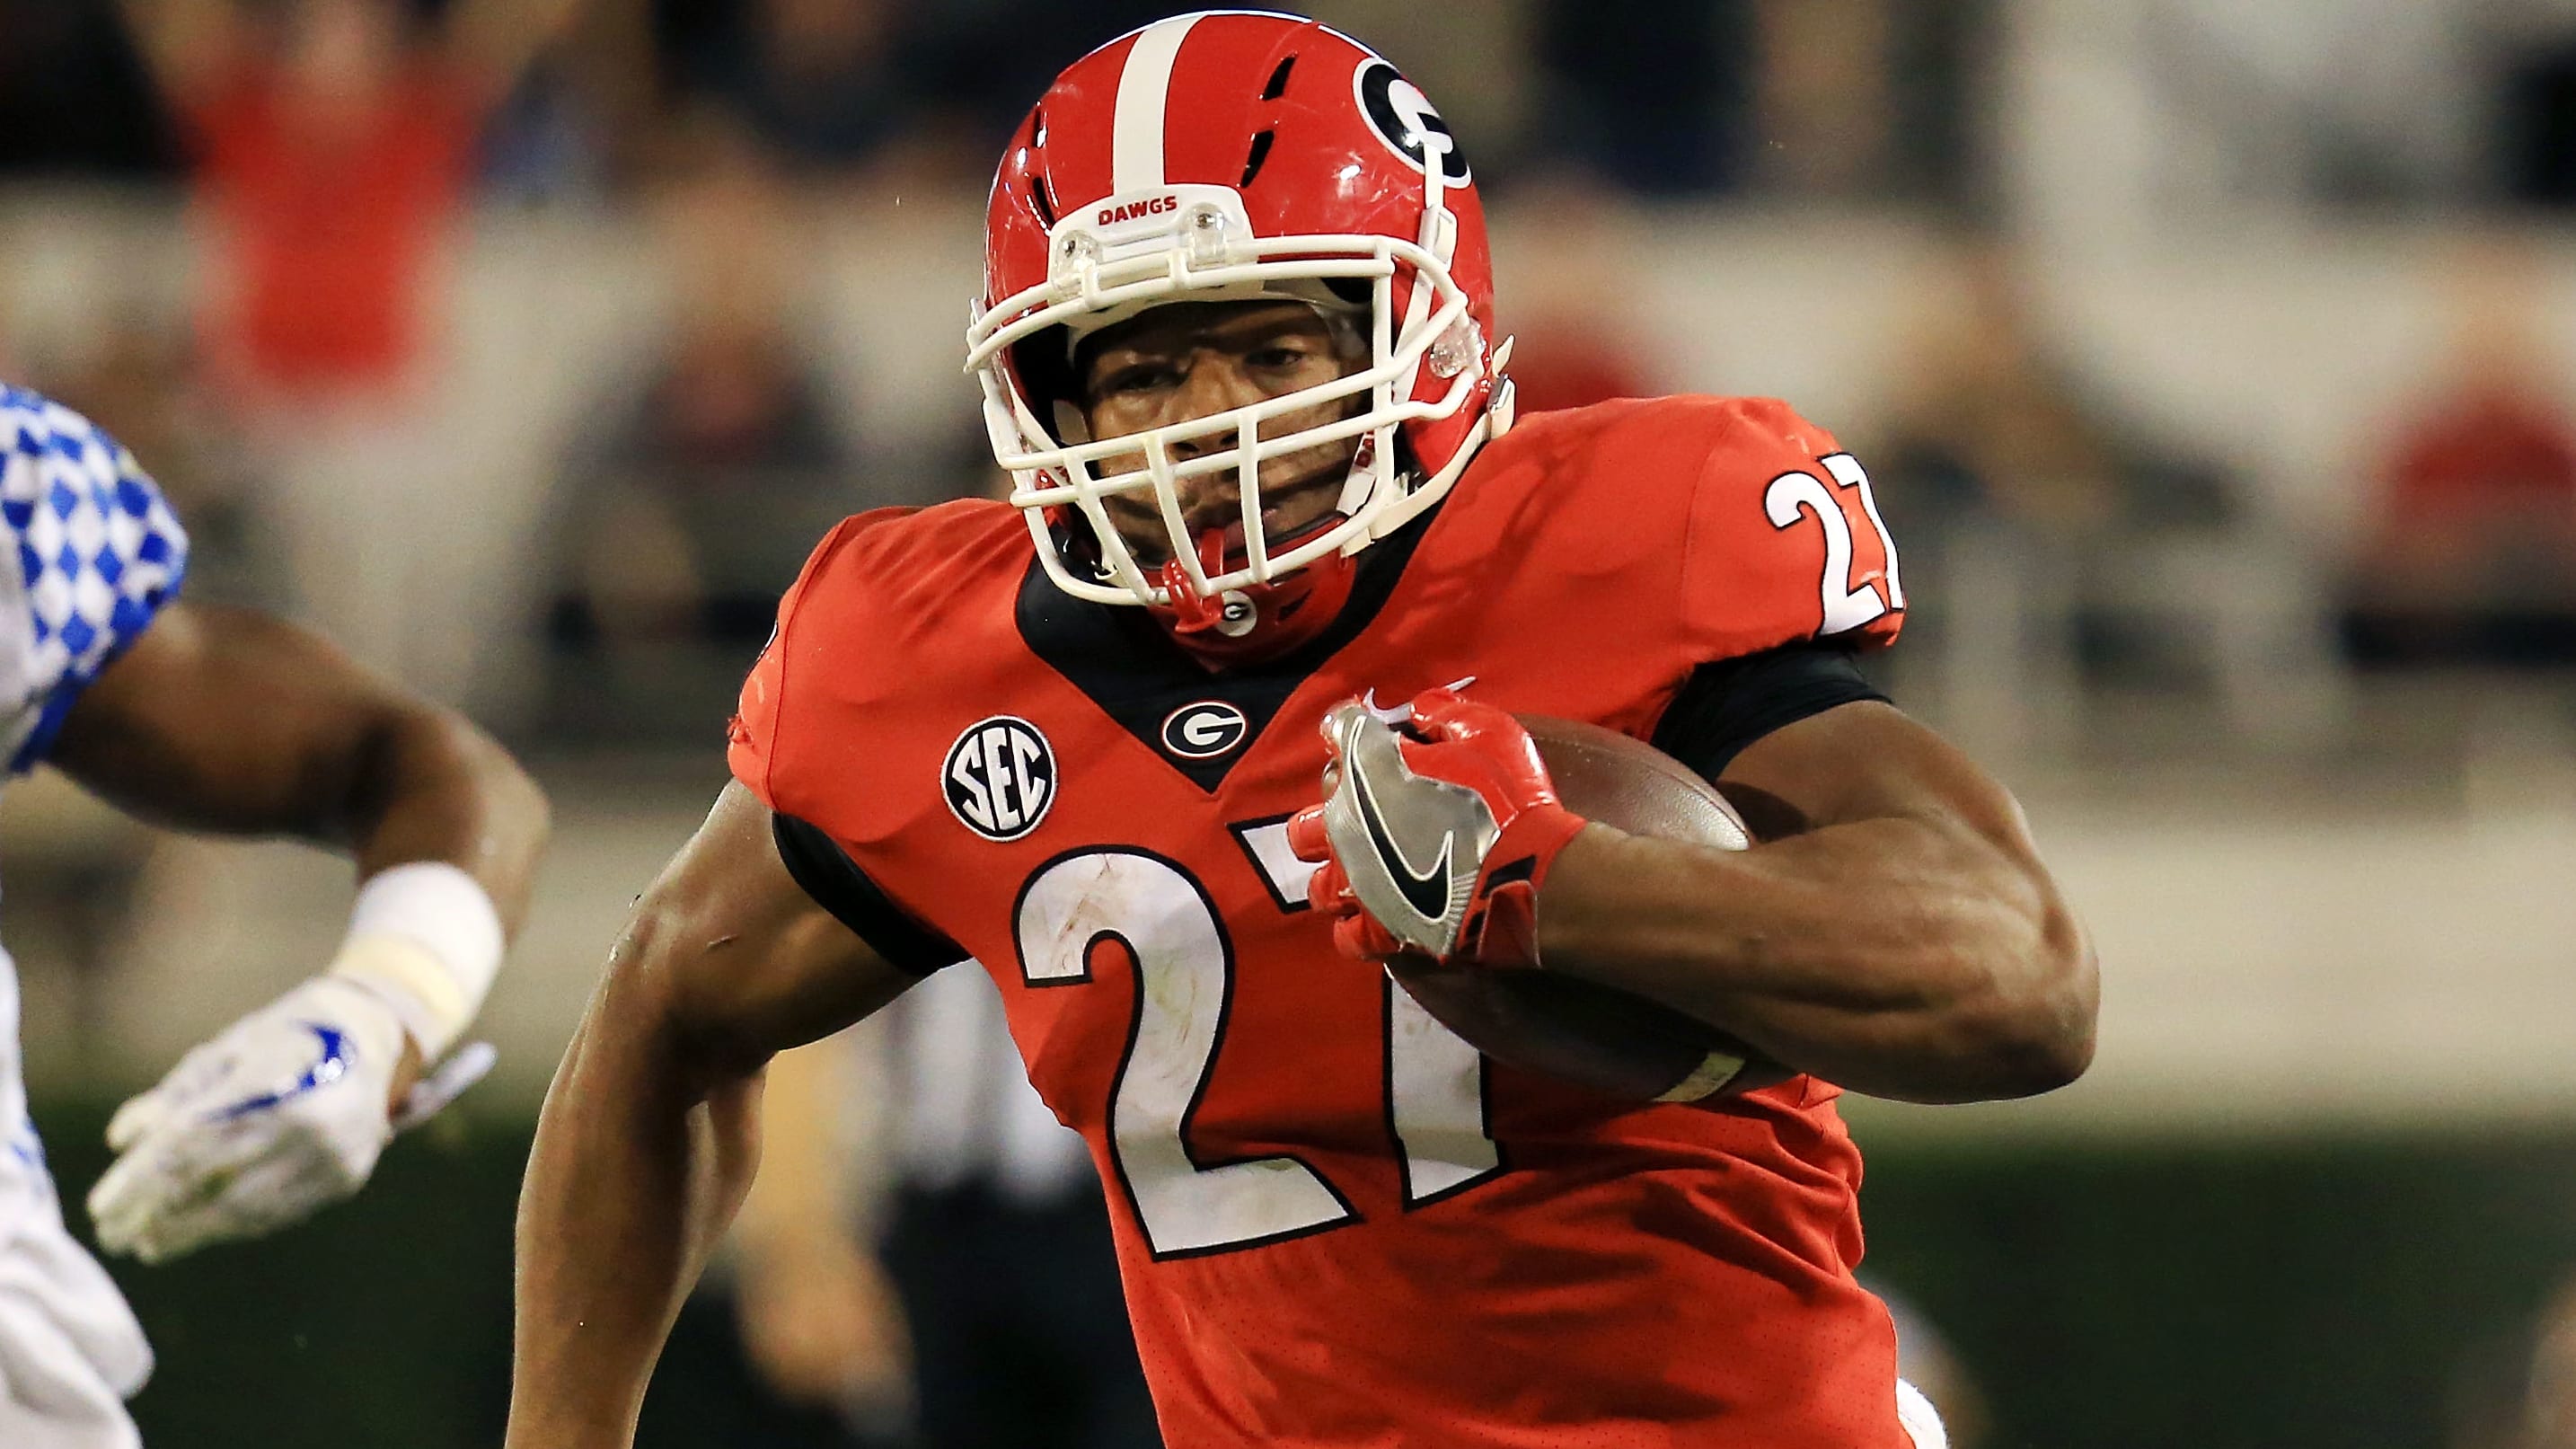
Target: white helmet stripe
[{"x": 1144, "y": 91}]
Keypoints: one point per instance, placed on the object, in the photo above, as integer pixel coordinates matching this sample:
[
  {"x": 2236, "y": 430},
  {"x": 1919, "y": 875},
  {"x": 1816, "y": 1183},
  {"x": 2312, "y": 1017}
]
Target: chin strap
[
  {"x": 1255, "y": 624},
  {"x": 1230, "y": 615}
]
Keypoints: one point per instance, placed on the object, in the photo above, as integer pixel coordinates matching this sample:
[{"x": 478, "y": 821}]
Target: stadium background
[{"x": 2171, "y": 331}]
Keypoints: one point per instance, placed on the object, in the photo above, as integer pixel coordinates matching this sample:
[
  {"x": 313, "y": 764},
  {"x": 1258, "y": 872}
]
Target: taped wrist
[{"x": 427, "y": 938}]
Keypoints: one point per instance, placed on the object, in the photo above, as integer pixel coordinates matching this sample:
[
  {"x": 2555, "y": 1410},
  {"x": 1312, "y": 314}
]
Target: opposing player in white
[{"x": 228, "y": 721}]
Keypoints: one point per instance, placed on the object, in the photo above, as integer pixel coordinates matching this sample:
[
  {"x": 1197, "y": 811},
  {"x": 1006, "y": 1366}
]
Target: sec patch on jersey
[
  {"x": 1598, "y": 1036},
  {"x": 999, "y": 777}
]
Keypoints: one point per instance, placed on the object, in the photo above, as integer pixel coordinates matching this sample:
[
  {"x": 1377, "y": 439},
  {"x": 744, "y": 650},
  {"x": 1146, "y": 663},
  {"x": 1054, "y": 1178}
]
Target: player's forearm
[
  {"x": 234, "y": 722},
  {"x": 642, "y": 1155},
  {"x": 424, "y": 784},
  {"x": 446, "y": 829},
  {"x": 1900, "y": 957}
]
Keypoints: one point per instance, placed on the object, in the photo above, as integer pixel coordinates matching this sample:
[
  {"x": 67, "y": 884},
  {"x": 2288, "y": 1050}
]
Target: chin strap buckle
[{"x": 1231, "y": 614}]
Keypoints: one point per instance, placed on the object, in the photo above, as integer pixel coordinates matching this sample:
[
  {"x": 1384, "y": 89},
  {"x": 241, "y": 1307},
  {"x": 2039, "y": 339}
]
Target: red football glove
[{"x": 1434, "y": 837}]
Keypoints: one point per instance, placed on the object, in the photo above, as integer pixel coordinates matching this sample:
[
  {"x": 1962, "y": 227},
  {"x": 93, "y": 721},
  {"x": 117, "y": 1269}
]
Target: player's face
[{"x": 1192, "y": 360}]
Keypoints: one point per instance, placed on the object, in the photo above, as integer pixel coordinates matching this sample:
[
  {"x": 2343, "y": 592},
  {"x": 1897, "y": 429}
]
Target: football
[{"x": 1598, "y": 1036}]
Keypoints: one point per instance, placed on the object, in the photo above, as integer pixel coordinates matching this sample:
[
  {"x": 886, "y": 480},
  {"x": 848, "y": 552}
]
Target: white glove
[{"x": 283, "y": 1113}]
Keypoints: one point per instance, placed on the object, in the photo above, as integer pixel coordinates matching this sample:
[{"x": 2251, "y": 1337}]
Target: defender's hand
[
  {"x": 1435, "y": 839},
  {"x": 281, "y": 1114}
]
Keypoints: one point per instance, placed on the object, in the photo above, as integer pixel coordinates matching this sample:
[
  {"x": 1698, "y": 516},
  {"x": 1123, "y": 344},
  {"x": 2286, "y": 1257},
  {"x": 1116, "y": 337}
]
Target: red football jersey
[{"x": 1338, "y": 1225}]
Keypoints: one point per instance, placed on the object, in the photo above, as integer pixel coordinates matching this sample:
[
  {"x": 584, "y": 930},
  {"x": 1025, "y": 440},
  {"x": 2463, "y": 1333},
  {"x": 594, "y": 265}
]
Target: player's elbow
[
  {"x": 2037, "y": 1034},
  {"x": 636, "y": 1014},
  {"x": 2040, "y": 1055},
  {"x": 655, "y": 996}
]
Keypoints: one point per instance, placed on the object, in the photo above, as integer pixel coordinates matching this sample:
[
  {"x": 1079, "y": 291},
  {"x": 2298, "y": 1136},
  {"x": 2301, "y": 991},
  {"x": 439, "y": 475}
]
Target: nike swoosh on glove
[
  {"x": 1435, "y": 837},
  {"x": 281, "y": 1114}
]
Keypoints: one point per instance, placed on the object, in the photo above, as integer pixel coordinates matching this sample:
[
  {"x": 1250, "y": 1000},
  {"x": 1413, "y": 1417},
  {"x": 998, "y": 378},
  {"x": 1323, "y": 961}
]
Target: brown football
[{"x": 1601, "y": 1037}]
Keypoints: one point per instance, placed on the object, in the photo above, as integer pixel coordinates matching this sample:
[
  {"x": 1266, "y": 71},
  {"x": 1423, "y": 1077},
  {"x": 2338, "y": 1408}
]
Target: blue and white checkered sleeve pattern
[{"x": 98, "y": 551}]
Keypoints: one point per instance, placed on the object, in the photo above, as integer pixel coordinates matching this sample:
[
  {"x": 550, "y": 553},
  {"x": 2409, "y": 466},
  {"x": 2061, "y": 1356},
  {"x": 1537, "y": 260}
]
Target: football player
[
  {"x": 227, "y": 721},
  {"x": 1237, "y": 347}
]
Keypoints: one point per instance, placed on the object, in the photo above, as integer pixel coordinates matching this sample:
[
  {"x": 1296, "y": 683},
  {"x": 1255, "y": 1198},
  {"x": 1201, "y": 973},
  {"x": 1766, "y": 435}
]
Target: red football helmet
[{"x": 1235, "y": 155}]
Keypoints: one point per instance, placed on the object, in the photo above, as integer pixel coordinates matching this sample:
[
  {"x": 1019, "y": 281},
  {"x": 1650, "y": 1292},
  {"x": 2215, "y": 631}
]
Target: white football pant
[{"x": 70, "y": 1350}]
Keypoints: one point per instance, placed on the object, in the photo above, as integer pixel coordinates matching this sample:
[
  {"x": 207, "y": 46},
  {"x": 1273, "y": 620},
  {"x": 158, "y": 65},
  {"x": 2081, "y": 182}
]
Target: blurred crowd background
[{"x": 2215, "y": 364}]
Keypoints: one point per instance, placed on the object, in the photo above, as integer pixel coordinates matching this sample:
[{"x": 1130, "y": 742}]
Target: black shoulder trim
[
  {"x": 1729, "y": 703},
  {"x": 836, "y": 883}
]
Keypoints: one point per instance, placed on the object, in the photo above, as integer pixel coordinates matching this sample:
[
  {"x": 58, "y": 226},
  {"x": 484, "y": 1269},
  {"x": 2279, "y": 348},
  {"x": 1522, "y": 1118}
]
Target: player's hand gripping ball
[
  {"x": 1434, "y": 838},
  {"x": 1562, "y": 770}
]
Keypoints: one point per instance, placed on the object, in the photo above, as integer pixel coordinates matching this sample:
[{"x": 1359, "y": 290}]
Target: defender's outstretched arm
[
  {"x": 651, "y": 1132},
  {"x": 234, "y": 722},
  {"x": 238, "y": 723}
]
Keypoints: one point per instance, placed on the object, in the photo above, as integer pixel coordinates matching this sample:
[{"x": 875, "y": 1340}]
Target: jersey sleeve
[
  {"x": 772, "y": 750},
  {"x": 764, "y": 733},
  {"x": 1785, "y": 542},
  {"x": 99, "y": 553},
  {"x": 1727, "y": 704}
]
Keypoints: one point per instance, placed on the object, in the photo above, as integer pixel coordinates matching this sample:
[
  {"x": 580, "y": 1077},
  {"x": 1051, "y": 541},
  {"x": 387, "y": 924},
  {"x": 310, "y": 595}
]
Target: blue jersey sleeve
[{"x": 98, "y": 554}]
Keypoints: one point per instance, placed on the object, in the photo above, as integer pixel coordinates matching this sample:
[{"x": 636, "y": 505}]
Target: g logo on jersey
[
  {"x": 1404, "y": 119},
  {"x": 1204, "y": 730},
  {"x": 1000, "y": 777}
]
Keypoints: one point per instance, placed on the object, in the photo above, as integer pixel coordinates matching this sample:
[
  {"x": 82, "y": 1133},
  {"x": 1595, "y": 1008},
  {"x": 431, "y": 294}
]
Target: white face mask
[{"x": 1193, "y": 243}]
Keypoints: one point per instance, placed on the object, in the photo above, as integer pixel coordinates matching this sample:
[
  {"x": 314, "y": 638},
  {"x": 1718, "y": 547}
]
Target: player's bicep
[
  {"x": 738, "y": 957},
  {"x": 1866, "y": 760},
  {"x": 1932, "y": 855}
]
